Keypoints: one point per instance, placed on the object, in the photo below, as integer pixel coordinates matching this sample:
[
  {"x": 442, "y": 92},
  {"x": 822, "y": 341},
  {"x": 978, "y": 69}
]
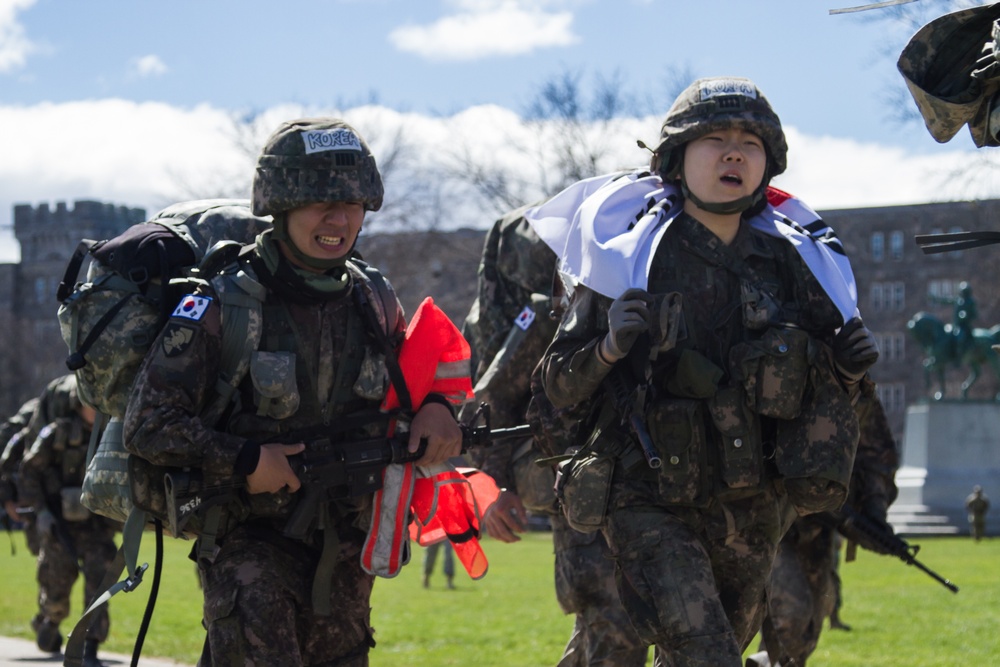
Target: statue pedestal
[{"x": 949, "y": 447}]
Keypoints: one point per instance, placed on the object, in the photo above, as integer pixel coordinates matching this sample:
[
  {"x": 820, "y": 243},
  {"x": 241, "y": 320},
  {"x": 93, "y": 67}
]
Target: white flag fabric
[{"x": 606, "y": 229}]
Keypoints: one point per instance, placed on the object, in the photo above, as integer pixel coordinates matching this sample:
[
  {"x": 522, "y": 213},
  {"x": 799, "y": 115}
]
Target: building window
[
  {"x": 898, "y": 297},
  {"x": 878, "y": 246},
  {"x": 896, "y": 246},
  {"x": 876, "y": 297},
  {"x": 892, "y": 396},
  {"x": 41, "y": 290},
  {"x": 892, "y": 347},
  {"x": 942, "y": 289}
]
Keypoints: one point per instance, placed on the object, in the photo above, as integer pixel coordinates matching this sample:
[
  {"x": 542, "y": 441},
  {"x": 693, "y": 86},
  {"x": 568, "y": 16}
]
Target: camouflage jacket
[
  {"x": 315, "y": 364},
  {"x": 704, "y": 366},
  {"x": 508, "y": 327},
  {"x": 56, "y": 460}
]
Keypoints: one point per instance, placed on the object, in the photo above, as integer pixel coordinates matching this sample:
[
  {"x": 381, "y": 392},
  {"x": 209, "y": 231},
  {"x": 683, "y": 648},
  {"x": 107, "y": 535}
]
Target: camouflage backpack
[{"x": 134, "y": 281}]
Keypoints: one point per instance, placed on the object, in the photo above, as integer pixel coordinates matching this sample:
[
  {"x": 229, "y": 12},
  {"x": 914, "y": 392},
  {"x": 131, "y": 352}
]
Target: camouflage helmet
[
  {"x": 315, "y": 160},
  {"x": 717, "y": 103}
]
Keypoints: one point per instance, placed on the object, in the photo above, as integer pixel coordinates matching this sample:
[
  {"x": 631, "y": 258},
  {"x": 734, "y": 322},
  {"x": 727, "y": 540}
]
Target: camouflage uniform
[
  {"x": 694, "y": 542},
  {"x": 261, "y": 605},
  {"x": 12, "y": 440},
  {"x": 516, "y": 272},
  {"x": 51, "y": 476},
  {"x": 804, "y": 585},
  {"x": 55, "y": 401}
]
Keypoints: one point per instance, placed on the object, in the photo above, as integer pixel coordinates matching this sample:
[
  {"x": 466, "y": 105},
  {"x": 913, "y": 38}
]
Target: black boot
[
  {"x": 90, "y": 653},
  {"x": 47, "y": 636}
]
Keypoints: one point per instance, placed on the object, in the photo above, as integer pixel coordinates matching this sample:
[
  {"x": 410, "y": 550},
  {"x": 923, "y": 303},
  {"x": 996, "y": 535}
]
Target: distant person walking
[
  {"x": 977, "y": 505},
  {"x": 430, "y": 558}
]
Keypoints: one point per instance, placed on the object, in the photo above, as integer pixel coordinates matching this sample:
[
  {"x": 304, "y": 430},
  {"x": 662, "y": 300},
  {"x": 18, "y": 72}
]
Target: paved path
[{"x": 21, "y": 652}]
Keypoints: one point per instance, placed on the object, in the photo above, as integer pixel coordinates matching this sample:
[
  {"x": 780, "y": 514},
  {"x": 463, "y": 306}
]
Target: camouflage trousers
[
  {"x": 258, "y": 603},
  {"x": 692, "y": 579},
  {"x": 585, "y": 586},
  {"x": 801, "y": 592},
  {"x": 86, "y": 546}
]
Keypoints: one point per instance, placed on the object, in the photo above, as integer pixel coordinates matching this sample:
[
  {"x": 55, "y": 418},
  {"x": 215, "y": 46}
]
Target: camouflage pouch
[
  {"x": 741, "y": 442},
  {"x": 373, "y": 379},
  {"x": 72, "y": 508},
  {"x": 584, "y": 490},
  {"x": 676, "y": 427},
  {"x": 276, "y": 393},
  {"x": 814, "y": 452},
  {"x": 535, "y": 483},
  {"x": 774, "y": 370},
  {"x": 105, "y": 488}
]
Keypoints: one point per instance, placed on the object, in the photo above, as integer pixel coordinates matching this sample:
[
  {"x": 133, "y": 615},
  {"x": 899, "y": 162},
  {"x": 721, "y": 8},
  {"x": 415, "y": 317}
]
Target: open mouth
[
  {"x": 330, "y": 241},
  {"x": 734, "y": 179}
]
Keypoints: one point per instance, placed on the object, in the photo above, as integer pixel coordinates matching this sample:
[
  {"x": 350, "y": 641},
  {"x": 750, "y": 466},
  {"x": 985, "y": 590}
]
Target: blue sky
[{"x": 163, "y": 73}]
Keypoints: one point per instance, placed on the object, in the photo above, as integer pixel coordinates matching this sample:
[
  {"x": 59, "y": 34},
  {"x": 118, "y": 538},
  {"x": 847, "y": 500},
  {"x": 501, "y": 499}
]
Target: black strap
[
  {"x": 73, "y": 269},
  {"x": 151, "y": 602},
  {"x": 936, "y": 243},
  {"x": 78, "y": 359}
]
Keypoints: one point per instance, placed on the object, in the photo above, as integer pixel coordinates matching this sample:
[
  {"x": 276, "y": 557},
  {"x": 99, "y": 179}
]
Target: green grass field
[{"x": 900, "y": 617}]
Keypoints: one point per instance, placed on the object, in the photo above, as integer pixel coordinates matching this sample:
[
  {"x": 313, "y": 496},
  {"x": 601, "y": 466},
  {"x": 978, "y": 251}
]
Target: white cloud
[
  {"x": 484, "y": 28},
  {"x": 150, "y": 155},
  {"x": 15, "y": 47},
  {"x": 146, "y": 66}
]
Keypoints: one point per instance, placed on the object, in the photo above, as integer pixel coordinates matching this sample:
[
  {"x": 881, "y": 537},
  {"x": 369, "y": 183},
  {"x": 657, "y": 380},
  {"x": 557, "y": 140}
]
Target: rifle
[
  {"x": 893, "y": 544},
  {"x": 328, "y": 469},
  {"x": 627, "y": 385}
]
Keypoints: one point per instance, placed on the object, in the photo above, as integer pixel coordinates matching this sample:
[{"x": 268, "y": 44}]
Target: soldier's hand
[
  {"x": 628, "y": 317},
  {"x": 45, "y": 522},
  {"x": 273, "y": 473},
  {"x": 435, "y": 424},
  {"x": 10, "y": 507},
  {"x": 854, "y": 350},
  {"x": 506, "y": 517}
]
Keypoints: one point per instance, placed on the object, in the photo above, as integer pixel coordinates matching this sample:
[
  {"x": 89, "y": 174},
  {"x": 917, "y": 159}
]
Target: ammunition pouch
[
  {"x": 677, "y": 428},
  {"x": 814, "y": 453},
  {"x": 774, "y": 370},
  {"x": 275, "y": 391},
  {"x": 72, "y": 509},
  {"x": 535, "y": 483},
  {"x": 585, "y": 488},
  {"x": 741, "y": 452}
]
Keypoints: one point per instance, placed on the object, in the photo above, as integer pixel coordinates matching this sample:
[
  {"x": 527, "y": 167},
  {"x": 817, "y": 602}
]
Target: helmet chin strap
[{"x": 727, "y": 207}]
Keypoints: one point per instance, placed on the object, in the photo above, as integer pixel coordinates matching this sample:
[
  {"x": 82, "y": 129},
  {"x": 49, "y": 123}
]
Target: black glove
[
  {"x": 854, "y": 350},
  {"x": 628, "y": 317},
  {"x": 877, "y": 542}
]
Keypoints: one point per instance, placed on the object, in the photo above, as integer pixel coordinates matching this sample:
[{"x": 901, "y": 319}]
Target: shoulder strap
[
  {"x": 242, "y": 298},
  {"x": 370, "y": 279}
]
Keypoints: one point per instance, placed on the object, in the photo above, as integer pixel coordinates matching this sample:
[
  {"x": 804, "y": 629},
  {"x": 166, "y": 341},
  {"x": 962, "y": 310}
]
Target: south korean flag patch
[
  {"x": 525, "y": 319},
  {"x": 192, "y": 307}
]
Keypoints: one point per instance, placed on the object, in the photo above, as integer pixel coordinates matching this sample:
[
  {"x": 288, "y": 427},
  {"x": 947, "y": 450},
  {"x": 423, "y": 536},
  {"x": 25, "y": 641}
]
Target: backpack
[{"x": 133, "y": 283}]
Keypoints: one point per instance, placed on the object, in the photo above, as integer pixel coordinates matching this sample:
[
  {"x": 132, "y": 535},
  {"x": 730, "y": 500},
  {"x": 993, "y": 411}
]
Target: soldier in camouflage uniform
[
  {"x": 694, "y": 539},
  {"x": 56, "y": 401},
  {"x": 72, "y": 539},
  {"x": 508, "y": 327},
  {"x": 272, "y": 599},
  {"x": 10, "y": 461},
  {"x": 804, "y": 585}
]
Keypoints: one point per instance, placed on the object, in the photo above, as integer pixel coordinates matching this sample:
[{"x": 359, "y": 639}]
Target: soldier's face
[
  {"x": 325, "y": 230},
  {"x": 724, "y": 165}
]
